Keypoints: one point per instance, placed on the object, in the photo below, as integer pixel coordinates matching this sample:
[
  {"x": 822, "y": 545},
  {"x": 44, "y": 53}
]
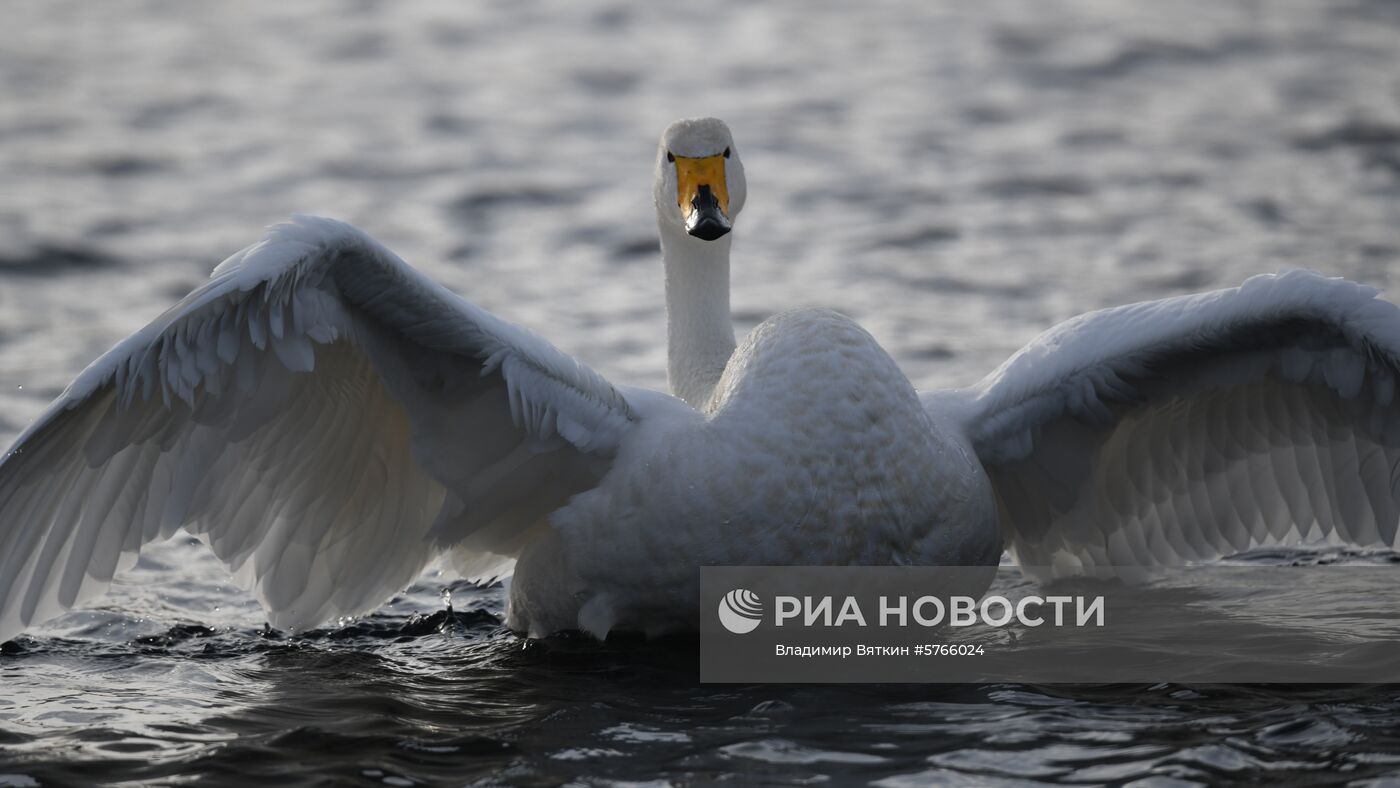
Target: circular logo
[{"x": 740, "y": 611}]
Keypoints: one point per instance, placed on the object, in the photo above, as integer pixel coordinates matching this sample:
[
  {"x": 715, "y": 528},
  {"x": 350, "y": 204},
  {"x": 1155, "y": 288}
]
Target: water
[{"x": 956, "y": 176}]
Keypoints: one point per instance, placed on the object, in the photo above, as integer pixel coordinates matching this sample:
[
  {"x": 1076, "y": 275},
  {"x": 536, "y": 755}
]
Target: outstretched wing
[
  {"x": 323, "y": 416},
  {"x": 1195, "y": 427}
]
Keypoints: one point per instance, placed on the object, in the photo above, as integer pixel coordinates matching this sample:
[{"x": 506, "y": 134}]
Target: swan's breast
[
  {"x": 808, "y": 360},
  {"x": 815, "y": 363},
  {"x": 838, "y": 449}
]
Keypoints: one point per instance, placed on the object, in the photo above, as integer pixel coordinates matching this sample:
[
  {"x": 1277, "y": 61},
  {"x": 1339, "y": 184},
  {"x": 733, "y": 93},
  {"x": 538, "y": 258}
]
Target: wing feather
[
  {"x": 1194, "y": 427},
  {"x": 325, "y": 418}
]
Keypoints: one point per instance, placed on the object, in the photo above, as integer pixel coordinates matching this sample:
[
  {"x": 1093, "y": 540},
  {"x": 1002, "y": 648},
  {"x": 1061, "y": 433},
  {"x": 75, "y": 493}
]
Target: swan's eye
[
  {"x": 726, "y": 153},
  {"x": 671, "y": 157}
]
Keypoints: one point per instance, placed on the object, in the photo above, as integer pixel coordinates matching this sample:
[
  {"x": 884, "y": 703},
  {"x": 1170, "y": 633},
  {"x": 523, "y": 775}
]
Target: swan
[{"x": 329, "y": 421}]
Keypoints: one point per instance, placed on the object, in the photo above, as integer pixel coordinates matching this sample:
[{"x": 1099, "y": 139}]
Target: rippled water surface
[{"x": 957, "y": 176}]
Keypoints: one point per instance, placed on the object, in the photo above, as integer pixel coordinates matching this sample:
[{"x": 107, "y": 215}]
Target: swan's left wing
[{"x": 1195, "y": 427}]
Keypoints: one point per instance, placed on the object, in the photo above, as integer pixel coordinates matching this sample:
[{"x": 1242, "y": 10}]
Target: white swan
[{"x": 328, "y": 421}]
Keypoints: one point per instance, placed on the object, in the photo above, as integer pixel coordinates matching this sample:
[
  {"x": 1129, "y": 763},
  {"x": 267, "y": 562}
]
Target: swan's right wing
[{"x": 323, "y": 416}]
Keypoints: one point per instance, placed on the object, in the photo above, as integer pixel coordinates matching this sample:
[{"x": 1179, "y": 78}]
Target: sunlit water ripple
[{"x": 956, "y": 176}]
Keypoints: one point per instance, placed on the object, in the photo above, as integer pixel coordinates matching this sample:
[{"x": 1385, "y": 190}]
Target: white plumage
[
  {"x": 1195, "y": 427},
  {"x": 321, "y": 416},
  {"x": 328, "y": 421}
]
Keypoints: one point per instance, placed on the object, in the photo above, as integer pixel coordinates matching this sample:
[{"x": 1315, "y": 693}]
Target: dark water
[
  {"x": 956, "y": 176},
  {"x": 450, "y": 697}
]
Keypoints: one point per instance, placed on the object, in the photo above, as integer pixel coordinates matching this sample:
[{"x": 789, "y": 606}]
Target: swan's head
[{"x": 699, "y": 181}]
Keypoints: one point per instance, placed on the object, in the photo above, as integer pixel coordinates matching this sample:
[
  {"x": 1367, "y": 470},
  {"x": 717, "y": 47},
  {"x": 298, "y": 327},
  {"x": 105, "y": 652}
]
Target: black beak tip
[{"x": 708, "y": 229}]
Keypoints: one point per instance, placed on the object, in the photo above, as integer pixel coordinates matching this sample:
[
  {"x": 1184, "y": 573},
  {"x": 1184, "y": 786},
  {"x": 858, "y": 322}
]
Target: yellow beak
[{"x": 703, "y": 196}]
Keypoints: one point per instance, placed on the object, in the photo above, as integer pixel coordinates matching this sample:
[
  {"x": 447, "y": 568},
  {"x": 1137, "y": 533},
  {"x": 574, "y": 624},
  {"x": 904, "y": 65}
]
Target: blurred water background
[{"x": 956, "y": 176}]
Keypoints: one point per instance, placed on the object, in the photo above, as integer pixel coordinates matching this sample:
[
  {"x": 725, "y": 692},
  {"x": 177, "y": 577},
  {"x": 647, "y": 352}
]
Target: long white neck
[{"x": 700, "y": 336}]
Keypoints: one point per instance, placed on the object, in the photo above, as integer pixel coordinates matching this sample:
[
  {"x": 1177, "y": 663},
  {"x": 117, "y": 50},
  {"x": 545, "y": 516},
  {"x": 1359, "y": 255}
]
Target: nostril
[{"x": 705, "y": 200}]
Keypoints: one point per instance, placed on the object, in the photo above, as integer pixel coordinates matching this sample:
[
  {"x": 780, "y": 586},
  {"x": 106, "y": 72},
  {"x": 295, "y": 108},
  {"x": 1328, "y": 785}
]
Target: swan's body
[
  {"x": 813, "y": 427},
  {"x": 328, "y": 421}
]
